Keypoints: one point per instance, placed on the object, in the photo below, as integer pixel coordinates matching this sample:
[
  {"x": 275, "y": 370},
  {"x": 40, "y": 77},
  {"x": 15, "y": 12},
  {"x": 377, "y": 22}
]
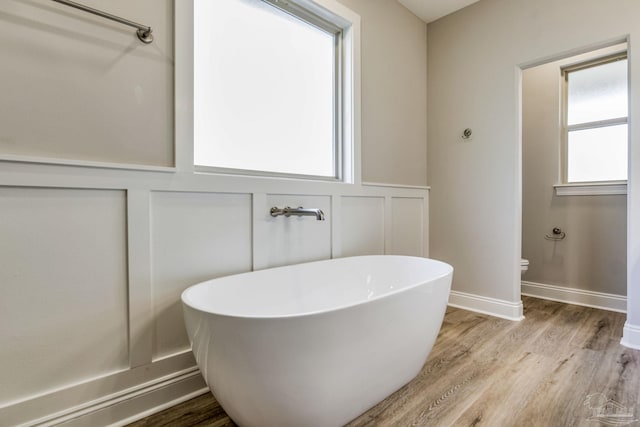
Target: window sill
[{"x": 591, "y": 189}]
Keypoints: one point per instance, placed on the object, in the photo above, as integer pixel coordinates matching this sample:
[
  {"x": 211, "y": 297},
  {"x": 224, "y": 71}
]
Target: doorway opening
[{"x": 574, "y": 203}]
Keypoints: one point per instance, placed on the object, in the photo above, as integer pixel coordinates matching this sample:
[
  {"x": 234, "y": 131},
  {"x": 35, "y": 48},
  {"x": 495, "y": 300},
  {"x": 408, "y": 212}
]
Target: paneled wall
[
  {"x": 363, "y": 219},
  {"x": 93, "y": 262},
  {"x": 194, "y": 236},
  {"x": 103, "y": 221},
  {"x": 63, "y": 299}
]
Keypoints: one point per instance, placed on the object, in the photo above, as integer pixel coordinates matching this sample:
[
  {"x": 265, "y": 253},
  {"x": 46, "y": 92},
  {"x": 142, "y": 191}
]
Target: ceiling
[{"x": 430, "y": 10}]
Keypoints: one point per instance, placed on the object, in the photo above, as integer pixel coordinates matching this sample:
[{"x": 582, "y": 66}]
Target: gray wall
[
  {"x": 76, "y": 89},
  {"x": 593, "y": 256},
  {"x": 394, "y": 93},
  {"x": 93, "y": 259},
  {"x": 475, "y": 58},
  {"x": 79, "y": 88}
]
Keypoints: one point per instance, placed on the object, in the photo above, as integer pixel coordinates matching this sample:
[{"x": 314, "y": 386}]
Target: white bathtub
[{"x": 315, "y": 344}]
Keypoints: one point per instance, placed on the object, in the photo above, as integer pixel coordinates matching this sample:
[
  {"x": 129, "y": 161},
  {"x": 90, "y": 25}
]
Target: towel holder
[{"x": 143, "y": 33}]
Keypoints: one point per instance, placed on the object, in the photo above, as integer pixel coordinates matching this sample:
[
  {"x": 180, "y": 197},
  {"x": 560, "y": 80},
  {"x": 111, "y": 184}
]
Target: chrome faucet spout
[{"x": 299, "y": 211}]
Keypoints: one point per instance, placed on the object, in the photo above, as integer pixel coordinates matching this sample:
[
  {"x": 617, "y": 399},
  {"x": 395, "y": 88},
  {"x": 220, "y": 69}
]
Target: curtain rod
[{"x": 143, "y": 33}]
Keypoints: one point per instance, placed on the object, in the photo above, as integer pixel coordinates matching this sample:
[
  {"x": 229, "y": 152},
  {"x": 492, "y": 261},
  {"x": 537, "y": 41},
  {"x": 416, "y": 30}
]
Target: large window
[
  {"x": 595, "y": 121},
  {"x": 268, "y": 88}
]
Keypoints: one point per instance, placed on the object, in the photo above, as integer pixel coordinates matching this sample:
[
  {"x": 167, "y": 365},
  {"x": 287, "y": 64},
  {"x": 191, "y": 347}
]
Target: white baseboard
[
  {"x": 122, "y": 408},
  {"x": 574, "y": 296},
  {"x": 485, "y": 305},
  {"x": 631, "y": 336}
]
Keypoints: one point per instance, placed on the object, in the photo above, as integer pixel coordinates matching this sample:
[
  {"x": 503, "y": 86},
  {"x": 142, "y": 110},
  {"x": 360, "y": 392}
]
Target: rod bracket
[{"x": 145, "y": 36}]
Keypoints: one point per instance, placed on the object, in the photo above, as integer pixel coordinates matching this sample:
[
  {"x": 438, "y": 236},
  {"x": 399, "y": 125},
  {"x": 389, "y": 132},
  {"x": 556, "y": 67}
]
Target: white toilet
[{"x": 524, "y": 265}]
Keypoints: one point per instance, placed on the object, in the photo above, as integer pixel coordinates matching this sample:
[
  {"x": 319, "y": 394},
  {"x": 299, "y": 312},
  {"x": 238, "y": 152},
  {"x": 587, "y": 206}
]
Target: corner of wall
[
  {"x": 485, "y": 305},
  {"x": 631, "y": 336}
]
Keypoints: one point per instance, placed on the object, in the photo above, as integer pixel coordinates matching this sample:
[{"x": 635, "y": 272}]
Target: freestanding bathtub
[{"x": 315, "y": 344}]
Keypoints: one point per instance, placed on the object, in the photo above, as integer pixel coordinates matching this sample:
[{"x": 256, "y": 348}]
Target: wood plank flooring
[{"x": 563, "y": 365}]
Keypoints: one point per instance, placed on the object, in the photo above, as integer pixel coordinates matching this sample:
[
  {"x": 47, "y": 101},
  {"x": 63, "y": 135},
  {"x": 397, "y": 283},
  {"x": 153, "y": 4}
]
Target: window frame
[
  {"x": 346, "y": 135},
  {"x": 566, "y": 128}
]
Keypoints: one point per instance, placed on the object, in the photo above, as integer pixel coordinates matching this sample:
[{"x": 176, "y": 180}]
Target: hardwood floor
[{"x": 561, "y": 366}]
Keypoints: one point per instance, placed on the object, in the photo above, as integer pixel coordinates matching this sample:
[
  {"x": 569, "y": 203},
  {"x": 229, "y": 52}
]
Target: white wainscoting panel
[
  {"x": 362, "y": 227},
  {"x": 93, "y": 265},
  {"x": 295, "y": 239},
  {"x": 195, "y": 237},
  {"x": 407, "y": 226},
  {"x": 63, "y": 288}
]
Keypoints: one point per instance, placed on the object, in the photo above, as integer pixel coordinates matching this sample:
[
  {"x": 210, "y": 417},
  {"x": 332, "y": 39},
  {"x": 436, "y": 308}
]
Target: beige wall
[
  {"x": 76, "y": 89},
  {"x": 394, "y": 93},
  {"x": 475, "y": 56},
  {"x": 593, "y": 256},
  {"x": 79, "y": 90}
]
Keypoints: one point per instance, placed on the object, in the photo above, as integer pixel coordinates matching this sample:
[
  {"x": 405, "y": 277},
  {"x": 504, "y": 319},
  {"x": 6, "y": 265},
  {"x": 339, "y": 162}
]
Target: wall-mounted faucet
[{"x": 299, "y": 211}]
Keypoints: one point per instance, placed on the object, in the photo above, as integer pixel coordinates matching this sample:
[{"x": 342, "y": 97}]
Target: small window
[
  {"x": 595, "y": 121},
  {"x": 267, "y": 86}
]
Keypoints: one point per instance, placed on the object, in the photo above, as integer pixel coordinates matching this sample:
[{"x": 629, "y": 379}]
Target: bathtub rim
[{"x": 188, "y": 302}]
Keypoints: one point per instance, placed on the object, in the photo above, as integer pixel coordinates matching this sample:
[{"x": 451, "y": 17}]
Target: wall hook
[
  {"x": 558, "y": 234},
  {"x": 466, "y": 134}
]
